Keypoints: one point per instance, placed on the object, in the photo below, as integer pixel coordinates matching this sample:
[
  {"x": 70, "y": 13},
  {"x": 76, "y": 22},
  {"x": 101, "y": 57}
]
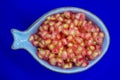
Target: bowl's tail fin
[{"x": 21, "y": 39}]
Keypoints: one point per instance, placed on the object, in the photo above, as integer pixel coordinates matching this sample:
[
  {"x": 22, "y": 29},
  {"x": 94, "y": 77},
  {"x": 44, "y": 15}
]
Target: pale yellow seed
[
  {"x": 92, "y": 47},
  {"x": 70, "y": 44},
  {"x": 65, "y": 26}
]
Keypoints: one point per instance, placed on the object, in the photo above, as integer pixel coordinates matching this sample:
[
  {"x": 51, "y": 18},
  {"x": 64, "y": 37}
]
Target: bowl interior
[{"x": 91, "y": 16}]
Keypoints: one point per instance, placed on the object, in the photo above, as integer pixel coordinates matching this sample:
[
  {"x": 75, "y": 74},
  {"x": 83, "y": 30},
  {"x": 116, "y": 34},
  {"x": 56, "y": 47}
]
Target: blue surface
[{"x": 20, "y": 14}]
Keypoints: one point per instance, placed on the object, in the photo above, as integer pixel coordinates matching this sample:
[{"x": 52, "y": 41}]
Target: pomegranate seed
[
  {"x": 52, "y": 29},
  {"x": 48, "y": 41},
  {"x": 80, "y": 16},
  {"x": 41, "y": 28},
  {"x": 46, "y": 22},
  {"x": 89, "y": 52},
  {"x": 60, "y": 19},
  {"x": 84, "y": 52},
  {"x": 51, "y": 23},
  {"x": 65, "y": 26},
  {"x": 95, "y": 34},
  {"x": 69, "y": 50},
  {"x": 64, "y": 55},
  {"x": 55, "y": 50},
  {"x": 79, "y": 40},
  {"x": 101, "y": 34},
  {"x": 67, "y": 14},
  {"x": 45, "y": 27},
  {"x": 92, "y": 47},
  {"x": 31, "y": 38},
  {"x": 53, "y": 61},
  {"x": 65, "y": 32},
  {"x": 87, "y": 35},
  {"x": 78, "y": 63},
  {"x": 60, "y": 62},
  {"x": 71, "y": 26},
  {"x": 68, "y": 21},
  {"x": 64, "y": 41},
  {"x": 76, "y": 22},
  {"x": 35, "y": 43},
  {"x": 69, "y": 38},
  {"x": 70, "y": 45},
  {"x": 67, "y": 66},
  {"x": 51, "y": 46},
  {"x": 57, "y": 15},
  {"x": 39, "y": 55},
  {"x": 59, "y": 28},
  {"x": 51, "y": 55},
  {"x": 84, "y": 64}
]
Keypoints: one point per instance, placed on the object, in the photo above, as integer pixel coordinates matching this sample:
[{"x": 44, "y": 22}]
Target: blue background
[{"x": 20, "y": 14}]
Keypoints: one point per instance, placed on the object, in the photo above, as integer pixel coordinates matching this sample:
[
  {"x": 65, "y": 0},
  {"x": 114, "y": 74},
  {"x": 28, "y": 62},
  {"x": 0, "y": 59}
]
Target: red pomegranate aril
[
  {"x": 80, "y": 16},
  {"x": 51, "y": 23},
  {"x": 53, "y": 61},
  {"x": 58, "y": 36},
  {"x": 67, "y": 14},
  {"x": 76, "y": 22},
  {"x": 57, "y": 15},
  {"x": 42, "y": 34},
  {"x": 87, "y": 35},
  {"x": 64, "y": 55},
  {"x": 64, "y": 41},
  {"x": 92, "y": 47},
  {"x": 67, "y": 40},
  {"x": 46, "y": 56},
  {"x": 47, "y": 41},
  {"x": 84, "y": 52},
  {"x": 60, "y": 62},
  {"x": 97, "y": 29},
  {"x": 69, "y": 50},
  {"x": 52, "y": 55},
  {"x": 95, "y": 54},
  {"x": 101, "y": 34},
  {"x": 72, "y": 32},
  {"x": 59, "y": 28},
  {"x": 65, "y": 26},
  {"x": 98, "y": 47},
  {"x": 60, "y": 19},
  {"x": 35, "y": 43},
  {"x": 51, "y": 46},
  {"x": 39, "y": 55},
  {"x": 78, "y": 40},
  {"x": 40, "y": 28},
  {"x": 65, "y": 32},
  {"x": 51, "y": 28},
  {"x": 55, "y": 50},
  {"x": 31, "y": 39},
  {"x": 70, "y": 45},
  {"x": 95, "y": 34},
  {"x": 84, "y": 64},
  {"x": 71, "y": 55},
  {"x": 99, "y": 40},
  {"x": 89, "y": 52},
  {"x": 45, "y": 27},
  {"x": 78, "y": 63}
]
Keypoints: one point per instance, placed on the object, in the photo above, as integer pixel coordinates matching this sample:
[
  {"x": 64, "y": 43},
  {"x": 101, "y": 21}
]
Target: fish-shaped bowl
[{"x": 21, "y": 39}]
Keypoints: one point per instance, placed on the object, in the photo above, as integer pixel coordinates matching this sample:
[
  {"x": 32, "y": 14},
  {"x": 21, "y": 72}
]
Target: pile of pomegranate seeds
[{"x": 68, "y": 39}]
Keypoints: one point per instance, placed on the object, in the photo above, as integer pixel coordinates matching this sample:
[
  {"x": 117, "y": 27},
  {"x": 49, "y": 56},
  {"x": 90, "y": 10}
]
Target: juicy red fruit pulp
[{"x": 67, "y": 40}]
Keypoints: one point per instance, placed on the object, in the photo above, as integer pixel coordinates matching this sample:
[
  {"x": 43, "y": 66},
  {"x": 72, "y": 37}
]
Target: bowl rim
[{"x": 79, "y": 10}]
